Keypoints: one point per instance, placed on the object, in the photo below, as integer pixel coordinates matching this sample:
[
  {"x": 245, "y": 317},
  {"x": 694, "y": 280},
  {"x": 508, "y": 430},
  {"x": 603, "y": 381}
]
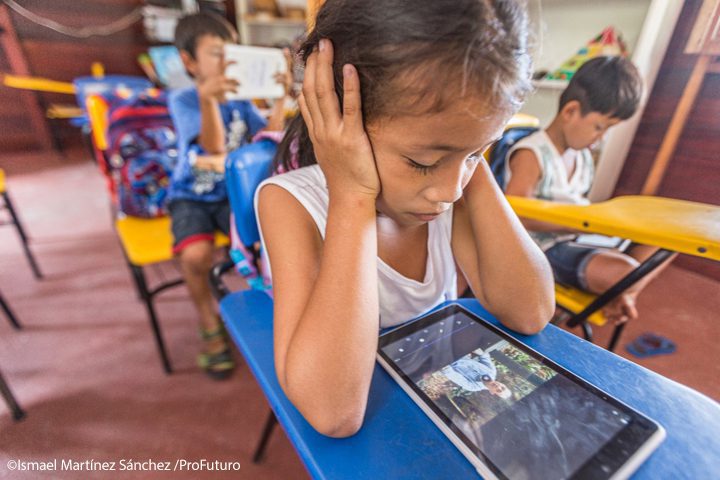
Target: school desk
[
  {"x": 671, "y": 225},
  {"x": 397, "y": 440}
]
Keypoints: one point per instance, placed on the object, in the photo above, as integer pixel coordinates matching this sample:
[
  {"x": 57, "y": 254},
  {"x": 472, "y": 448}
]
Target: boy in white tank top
[{"x": 555, "y": 164}]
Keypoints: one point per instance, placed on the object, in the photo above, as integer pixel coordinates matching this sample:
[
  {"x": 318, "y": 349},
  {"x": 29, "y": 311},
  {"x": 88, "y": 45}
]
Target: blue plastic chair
[{"x": 245, "y": 169}]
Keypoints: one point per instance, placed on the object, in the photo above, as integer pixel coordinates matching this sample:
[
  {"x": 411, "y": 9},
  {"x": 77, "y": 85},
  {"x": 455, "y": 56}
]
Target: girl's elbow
[
  {"x": 536, "y": 320},
  {"x": 338, "y": 424},
  {"x": 338, "y": 418},
  {"x": 531, "y": 327},
  {"x": 340, "y": 421}
]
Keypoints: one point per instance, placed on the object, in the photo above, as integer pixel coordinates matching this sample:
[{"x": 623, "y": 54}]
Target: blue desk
[{"x": 397, "y": 440}]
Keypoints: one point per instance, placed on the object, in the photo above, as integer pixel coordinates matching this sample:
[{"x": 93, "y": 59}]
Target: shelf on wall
[
  {"x": 551, "y": 84},
  {"x": 274, "y": 22}
]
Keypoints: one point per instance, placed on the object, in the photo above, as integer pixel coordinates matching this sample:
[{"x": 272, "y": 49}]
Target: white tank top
[
  {"x": 554, "y": 183},
  {"x": 401, "y": 298}
]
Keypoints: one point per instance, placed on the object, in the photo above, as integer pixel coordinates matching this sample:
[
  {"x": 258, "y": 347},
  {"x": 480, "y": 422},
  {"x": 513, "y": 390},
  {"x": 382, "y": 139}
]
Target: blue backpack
[
  {"x": 141, "y": 153},
  {"x": 499, "y": 151}
]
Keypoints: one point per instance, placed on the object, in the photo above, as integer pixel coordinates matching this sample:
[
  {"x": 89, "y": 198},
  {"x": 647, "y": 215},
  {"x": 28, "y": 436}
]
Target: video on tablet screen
[
  {"x": 483, "y": 383},
  {"x": 526, "y": 418}
]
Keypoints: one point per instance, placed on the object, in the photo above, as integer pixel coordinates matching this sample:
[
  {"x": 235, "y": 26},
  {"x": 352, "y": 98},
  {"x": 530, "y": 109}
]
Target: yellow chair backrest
[
  {"x": 522, "y": 120},
  {"x": 97, "y": 109}
]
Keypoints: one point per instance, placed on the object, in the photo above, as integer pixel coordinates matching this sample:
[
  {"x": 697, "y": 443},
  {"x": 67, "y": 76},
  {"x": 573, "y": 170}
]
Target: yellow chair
[
  {"x": 668, "y": 224},
  {"x": 14, "y": 220},
  {"x": 145, "y": 241}
]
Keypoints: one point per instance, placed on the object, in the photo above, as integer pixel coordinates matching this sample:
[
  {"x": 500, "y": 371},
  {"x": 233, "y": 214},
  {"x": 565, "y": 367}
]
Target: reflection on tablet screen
[{"x": 528, "y": 420}]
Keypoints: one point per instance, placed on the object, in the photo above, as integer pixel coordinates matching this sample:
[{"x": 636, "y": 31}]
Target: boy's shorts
[
  {"x": 569, "y": 261},
  {"x": 197, "y": 221}
]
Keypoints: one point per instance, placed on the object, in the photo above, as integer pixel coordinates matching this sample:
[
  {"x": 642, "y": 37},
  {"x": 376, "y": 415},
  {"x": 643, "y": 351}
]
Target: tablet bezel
[{"x": 618, "y": 458}]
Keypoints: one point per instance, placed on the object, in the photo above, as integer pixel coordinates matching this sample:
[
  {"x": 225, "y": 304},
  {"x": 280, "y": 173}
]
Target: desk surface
[
  {"x": 686, "y": 227},
  {"x": 397, "y": 440}
]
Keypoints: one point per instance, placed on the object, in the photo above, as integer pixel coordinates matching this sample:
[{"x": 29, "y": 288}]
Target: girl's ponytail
[{"x": 296, "y": 149}]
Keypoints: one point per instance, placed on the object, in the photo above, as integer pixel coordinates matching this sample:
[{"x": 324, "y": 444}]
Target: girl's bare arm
[
  {"x": 506, "y": 271},
  {"x": 326, "y": 306},
  {"x": 326, "y": 293}
]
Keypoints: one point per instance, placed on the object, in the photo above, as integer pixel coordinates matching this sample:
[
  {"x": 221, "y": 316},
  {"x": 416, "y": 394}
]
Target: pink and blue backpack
[{"x": 141, "y": 153}]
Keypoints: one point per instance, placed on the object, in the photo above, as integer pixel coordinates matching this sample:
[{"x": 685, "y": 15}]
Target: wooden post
[
  {"x": 312, "y": 8},
  {"x": 672, "y": 135},
  {"x": 18, "y": 65},
  {"x": 704, "y": 41}
]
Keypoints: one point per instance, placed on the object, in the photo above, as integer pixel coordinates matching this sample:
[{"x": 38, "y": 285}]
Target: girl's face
[{"x": 425, "y": 161}]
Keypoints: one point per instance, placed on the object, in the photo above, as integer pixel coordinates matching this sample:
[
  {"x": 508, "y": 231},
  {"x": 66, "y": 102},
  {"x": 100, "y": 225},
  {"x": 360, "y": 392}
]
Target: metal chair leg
[
  {"x": 270, "y": 424},
  {"x": 616, "y": 336},
  {"x": 587, "y": 331},
  {"x": 23, "y": 237},
  {"x": 9, "y": 313},
  {"x": 12, "y": 404},
  {"x": 647, "y": 267},
  {"x": 139, "y": 277}
]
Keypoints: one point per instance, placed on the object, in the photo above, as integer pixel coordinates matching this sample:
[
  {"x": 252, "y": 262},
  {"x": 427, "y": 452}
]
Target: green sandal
[{"x": 218, "y": 365}]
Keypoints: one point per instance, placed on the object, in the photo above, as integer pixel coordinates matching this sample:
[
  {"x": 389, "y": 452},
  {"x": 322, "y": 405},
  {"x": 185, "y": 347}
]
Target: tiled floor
[{"x": 86, "y": 370}]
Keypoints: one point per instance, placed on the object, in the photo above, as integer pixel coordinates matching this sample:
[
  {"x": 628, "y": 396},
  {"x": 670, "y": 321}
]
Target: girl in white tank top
[{"x": 394, "y": 194}]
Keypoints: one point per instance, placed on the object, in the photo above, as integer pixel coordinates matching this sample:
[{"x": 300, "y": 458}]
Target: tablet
[
  {"x": 513, "y": 413},
  {"x": 595, "y": 240},
  {"x": 255, "y": 68}
]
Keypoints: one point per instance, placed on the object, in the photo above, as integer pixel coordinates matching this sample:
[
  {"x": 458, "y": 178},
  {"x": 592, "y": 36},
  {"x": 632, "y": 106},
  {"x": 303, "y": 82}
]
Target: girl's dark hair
[
  {"x": 419, "y": 56},
  {"x": 607, "y": 85},
  {"x": 191, "y": 27}
]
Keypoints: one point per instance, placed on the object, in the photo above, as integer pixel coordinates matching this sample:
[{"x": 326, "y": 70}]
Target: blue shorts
[
  {"x": 569, "y": 261},
  {"x": 197, "y": 221}
]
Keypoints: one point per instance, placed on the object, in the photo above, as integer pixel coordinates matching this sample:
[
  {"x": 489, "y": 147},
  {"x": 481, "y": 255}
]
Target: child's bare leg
[
  {"x": 603, "y": 271},
  {"x": 196, "y": 262},
  {"x": 643, "y": 252}
]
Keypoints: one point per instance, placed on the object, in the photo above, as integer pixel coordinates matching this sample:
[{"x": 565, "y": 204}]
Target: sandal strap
[
  {"x": 218, "y": 332},
  {"x": 220, "y": 361}
]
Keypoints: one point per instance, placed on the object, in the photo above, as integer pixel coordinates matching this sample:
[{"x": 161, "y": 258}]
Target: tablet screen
[{"x": 523, "y": 415}]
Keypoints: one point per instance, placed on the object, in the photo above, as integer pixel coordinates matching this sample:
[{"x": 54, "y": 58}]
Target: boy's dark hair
[
  {"x": 417, "y": 57},
  {"x": 607, "y": 85},
  {"x": 191, "y": 27}
]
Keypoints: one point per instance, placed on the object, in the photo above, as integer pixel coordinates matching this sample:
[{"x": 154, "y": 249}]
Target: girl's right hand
[{"x": 342, "y": 147}]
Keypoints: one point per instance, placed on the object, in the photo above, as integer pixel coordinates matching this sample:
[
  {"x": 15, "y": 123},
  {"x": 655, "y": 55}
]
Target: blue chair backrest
[
  {"x": 501, "y": 148},
  {"x": 245, "y": 169}
]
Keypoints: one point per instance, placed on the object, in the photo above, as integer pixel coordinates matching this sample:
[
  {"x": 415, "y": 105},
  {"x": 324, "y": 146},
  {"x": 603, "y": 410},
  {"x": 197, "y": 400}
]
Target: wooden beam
[
  {"x": 672, "y": 135},
  {"x": 312, "y": 7},
  {"x": 18, "y": 65}
]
